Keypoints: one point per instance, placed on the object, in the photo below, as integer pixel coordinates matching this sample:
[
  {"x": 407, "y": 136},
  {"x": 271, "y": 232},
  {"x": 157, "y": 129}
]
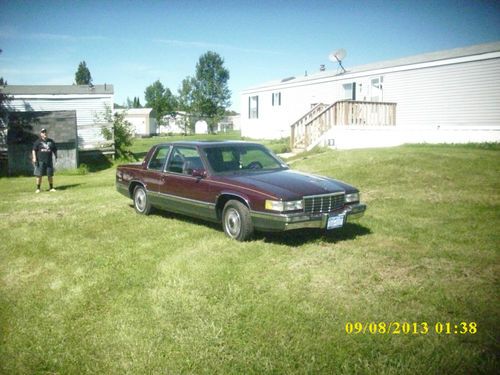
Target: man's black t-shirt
[{"x": 44, "y": 150}]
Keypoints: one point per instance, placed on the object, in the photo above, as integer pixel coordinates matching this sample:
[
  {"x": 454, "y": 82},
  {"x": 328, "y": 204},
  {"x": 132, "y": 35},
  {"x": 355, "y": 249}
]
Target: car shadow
[
  {"x": 292, "y": 238},
  {"x": 66, "y": 187},
  {"x": 184, "y": 218},
  {"x": 301, "y": 237}
]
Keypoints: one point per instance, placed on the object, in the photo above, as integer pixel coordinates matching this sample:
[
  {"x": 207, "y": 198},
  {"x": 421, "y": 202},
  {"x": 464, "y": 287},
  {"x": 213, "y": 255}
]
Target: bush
[{"x": 122, "y": 134}]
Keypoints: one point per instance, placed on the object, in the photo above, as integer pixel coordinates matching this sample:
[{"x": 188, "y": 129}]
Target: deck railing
[{"x": 310, "y": 127}]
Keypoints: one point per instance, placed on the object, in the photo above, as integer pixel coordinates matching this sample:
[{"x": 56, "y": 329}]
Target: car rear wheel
[
  {"x": 141, "y": 201},
  {"x": 236, "y": 221}
]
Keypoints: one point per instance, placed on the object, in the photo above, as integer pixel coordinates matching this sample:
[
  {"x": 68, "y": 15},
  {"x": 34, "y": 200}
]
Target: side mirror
[{"x": 199, "y": 173}]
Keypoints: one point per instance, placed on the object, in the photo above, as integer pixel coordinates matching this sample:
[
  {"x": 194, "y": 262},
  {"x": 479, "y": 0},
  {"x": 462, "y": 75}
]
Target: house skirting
[{"x": 351, "y": 137}]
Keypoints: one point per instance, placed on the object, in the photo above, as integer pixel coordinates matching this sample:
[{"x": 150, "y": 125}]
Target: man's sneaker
[
  {"x": 52, "y": 189},
  {"x": 37, "y": 191}
]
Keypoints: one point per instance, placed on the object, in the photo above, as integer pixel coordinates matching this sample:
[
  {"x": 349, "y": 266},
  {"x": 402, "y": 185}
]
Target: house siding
[{"x": 466, "y": 94}]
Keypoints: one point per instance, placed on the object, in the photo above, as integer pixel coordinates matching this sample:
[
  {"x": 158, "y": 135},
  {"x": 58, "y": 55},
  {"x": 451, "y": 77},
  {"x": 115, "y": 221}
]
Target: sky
[{"x": 131, "y": 44}]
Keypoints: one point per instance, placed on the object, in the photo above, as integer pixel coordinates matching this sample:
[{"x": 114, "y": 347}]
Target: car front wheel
[
  {"x": 236, "y": 221},
  {"x": 141, "y": 201}
]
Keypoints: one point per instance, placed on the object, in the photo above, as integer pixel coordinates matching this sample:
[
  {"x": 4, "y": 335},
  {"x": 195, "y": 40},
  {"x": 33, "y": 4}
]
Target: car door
[
  {"x": 153, "y": 178},
  {"x": 183, "y": 192}
]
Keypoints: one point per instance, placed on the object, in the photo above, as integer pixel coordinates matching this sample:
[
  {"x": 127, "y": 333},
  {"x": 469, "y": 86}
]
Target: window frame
[
  {"x": 156, "y": 152},
  {"x": 172, "y": 155},
  {"x": 352, "y": 90},
  {"x": 253, "y": 113},
  {"x": 274, "y": 96}
]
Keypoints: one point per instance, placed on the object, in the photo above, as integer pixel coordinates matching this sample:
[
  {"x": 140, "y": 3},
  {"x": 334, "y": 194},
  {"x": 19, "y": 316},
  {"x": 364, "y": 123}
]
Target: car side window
[
  {"x": 184, "y": 160},
  {"x": 159, "y": 157}
]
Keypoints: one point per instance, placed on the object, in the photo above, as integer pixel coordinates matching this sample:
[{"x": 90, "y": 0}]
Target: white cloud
[
  {"x": 39, "y": 71},
  {"x": 11, "y": 33},
  {"x": 37, "y": 75},
  {"x": 140, "y": 70},
  {"x": 206, "y": 45}
]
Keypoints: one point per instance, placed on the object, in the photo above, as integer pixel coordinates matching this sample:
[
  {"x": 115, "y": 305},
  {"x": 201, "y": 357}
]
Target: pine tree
[{"x": 82, "y": 75}]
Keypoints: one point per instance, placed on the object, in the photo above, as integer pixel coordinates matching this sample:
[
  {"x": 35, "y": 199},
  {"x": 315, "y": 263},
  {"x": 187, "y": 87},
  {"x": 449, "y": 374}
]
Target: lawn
[
  {"x": 87, "y": 286},
  {"x": 141, "y": 145}
]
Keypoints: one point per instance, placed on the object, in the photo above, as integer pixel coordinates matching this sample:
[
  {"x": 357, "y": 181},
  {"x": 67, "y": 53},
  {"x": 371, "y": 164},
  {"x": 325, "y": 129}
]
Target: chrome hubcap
[
  {"x": 232, "y": 222},
  {"x": 140, "y": 200}
]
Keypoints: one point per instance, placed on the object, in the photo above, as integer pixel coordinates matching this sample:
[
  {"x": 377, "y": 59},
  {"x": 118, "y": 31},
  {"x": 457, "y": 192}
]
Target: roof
[
  {"x": 210, "y": 143},
  {"x": 134, "y": 111},
  {"x": 57, "y": 89},
  {"x": 432, "y": 56},
  {"x": 474, "y": 50}
]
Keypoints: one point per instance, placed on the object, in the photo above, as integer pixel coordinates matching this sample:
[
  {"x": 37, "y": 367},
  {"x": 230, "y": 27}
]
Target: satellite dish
[{"x": 338, "y": 56}]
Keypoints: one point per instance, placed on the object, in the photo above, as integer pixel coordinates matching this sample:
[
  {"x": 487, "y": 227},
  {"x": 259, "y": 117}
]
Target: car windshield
[{"x": 237, "y": 158}]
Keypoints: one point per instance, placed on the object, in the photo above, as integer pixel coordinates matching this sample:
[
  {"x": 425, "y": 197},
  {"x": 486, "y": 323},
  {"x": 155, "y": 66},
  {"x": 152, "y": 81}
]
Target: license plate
[{"x": 336, "y": 221}]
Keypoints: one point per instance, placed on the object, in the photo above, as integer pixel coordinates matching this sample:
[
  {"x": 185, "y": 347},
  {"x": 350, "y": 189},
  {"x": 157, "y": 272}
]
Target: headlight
[
  {"x": 350, "y": 198},
  {"x": 283, "y": 206}
]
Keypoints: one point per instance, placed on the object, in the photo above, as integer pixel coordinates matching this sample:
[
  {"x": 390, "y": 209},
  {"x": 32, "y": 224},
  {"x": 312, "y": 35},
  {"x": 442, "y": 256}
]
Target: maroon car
[{"x": 241, "y": 184}]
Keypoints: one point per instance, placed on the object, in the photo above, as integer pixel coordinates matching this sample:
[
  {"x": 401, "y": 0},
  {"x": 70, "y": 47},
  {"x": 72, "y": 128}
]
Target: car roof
[{"x": 204, "y": 143}]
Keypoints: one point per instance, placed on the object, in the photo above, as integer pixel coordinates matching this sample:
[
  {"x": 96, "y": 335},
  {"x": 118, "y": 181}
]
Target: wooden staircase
[{"x": 307, "y": 132}]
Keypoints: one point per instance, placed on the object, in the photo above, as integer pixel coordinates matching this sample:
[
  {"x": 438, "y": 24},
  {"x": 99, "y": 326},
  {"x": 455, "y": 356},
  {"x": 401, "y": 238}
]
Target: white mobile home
[
  {"x": 141, "y": 119},
  {"x": 93, "y": 105},
  {"x": 448, "y": 96}
]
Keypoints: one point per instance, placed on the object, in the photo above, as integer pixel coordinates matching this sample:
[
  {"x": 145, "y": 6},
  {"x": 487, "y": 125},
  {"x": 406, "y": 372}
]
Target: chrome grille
[{"x": 317, "y": 204}]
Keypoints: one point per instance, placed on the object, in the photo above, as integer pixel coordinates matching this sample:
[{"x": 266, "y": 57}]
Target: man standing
[{"x": 43, "y": 148}]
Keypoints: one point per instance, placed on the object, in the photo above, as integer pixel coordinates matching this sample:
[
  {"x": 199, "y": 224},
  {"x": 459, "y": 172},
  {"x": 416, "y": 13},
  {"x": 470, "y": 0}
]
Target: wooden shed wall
[{"x": 25, "y": 129}]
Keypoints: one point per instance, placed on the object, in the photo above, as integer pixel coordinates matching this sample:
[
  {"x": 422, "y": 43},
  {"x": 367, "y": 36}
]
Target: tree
[
  {"x": 161, "y": 100},
  {"x": 121, "y": 133},
  {"x": 185, "y": 102},
  {"x": 4, "y": 103},
  {"x": 82, "y": 75},
  {"x": 136, "y": 103},
  {"x": 211, "y": 95}
]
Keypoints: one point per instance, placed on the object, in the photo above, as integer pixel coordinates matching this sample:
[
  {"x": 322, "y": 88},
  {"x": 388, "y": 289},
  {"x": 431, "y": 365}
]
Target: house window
[
  {"x": 276, "y": 99},
  {"x": 253, "y": 107},
  {"x": 376, "y": 83},
  {"x": 349, "y": 91}
]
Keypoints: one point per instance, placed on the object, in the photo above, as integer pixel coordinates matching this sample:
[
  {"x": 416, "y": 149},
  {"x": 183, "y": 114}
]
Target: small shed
[
  {"x": 141, "y": 119},
  {"x": 201, "y": 127}
]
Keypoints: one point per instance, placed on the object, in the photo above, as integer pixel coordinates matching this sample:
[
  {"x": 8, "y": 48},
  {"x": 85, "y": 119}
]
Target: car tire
[
  {"x": 141, "y": 202},
  {"x": 236, "y": 221}
]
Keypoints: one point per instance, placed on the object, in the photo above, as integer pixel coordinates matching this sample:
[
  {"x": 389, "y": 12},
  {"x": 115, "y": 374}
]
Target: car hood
[{"x": 289, "y": 184}]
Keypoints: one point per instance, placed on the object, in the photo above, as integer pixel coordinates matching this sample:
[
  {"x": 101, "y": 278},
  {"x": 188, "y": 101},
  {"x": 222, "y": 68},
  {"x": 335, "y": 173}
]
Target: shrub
[{"x": 122, "y": 133}]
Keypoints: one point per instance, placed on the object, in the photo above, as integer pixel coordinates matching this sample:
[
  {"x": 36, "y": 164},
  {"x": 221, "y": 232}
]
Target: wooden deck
[{"x": 310, "y": 127}]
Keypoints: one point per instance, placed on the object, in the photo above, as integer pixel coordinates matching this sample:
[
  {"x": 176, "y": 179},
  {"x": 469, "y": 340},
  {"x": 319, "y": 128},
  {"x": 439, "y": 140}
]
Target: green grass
[
  {"x": 87, "y": 286},
  {"x": 141, "y": 145}
]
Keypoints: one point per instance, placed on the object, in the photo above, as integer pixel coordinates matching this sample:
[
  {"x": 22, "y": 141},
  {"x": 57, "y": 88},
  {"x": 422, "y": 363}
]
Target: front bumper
[{"x": 281, "y": 222}]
